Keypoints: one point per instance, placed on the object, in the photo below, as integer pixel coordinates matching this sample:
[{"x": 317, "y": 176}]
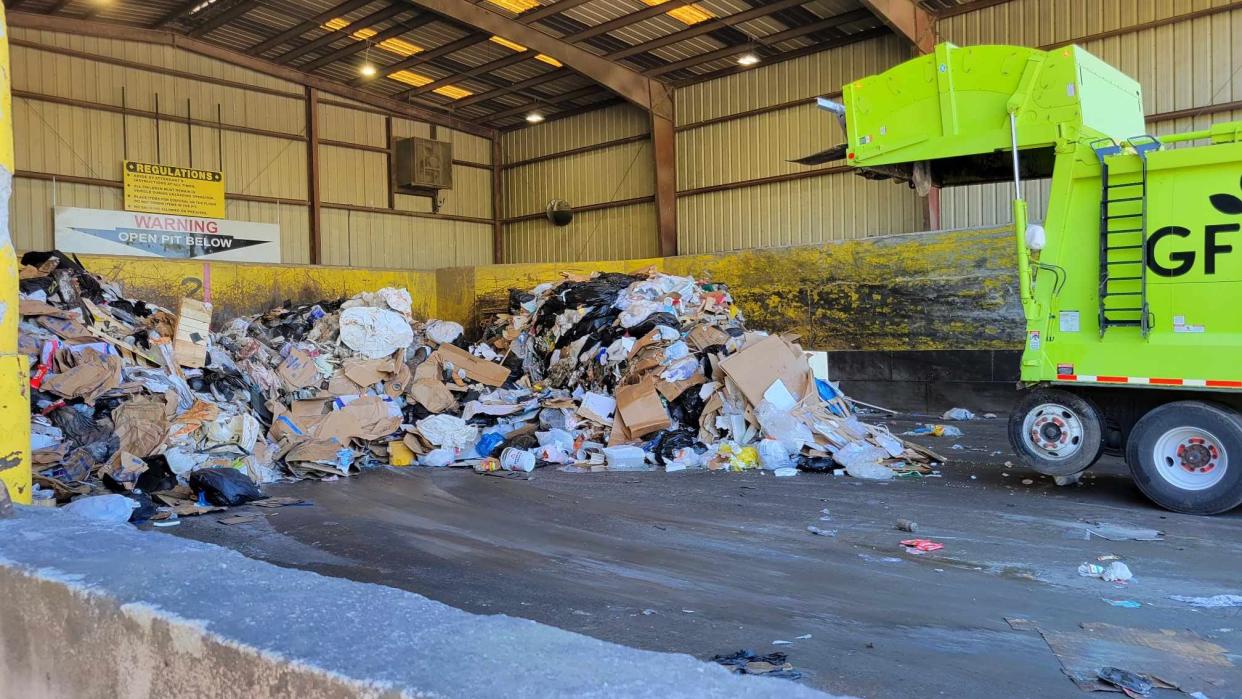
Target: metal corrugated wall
[
  {"x": 599, "y": 177},
  {"x": 69, "y": 126},
  {"x": 736, "y": 188},
  {"x": 1189, "y": 64}
]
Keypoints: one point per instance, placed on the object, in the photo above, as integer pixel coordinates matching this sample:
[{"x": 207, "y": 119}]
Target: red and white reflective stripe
[{"x": 1141, "y": 380}]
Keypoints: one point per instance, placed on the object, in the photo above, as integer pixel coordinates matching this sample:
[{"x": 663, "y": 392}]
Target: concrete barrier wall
[{"x": 923, "y": 316}]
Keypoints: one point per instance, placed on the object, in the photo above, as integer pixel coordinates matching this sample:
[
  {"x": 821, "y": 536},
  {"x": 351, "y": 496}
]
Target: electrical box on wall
[{"x": 423, "y": 165}]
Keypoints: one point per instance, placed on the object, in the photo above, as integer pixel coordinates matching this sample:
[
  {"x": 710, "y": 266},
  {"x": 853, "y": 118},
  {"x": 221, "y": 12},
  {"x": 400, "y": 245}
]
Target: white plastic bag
[
  {"x": 374, "y": 332},
  {"x": 448, "y": 431},
  {"x": 443, "y": 331},
  {"x": 1035, "y": 236},
  {"x": 862, "y": 460},
  {"x": 438, "y": 457},
  {"x": 103, "y": 508},
  {"x": 773, "y": 456},
  {"x": 782, "y": 426}
]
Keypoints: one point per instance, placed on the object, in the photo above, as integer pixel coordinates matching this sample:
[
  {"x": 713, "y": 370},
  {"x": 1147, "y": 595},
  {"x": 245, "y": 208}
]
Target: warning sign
[{"x": 163, "y": 189}]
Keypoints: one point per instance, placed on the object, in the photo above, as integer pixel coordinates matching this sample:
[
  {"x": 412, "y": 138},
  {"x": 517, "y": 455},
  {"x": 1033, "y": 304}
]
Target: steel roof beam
[
  {"x": 906, "y": 19},
  {"x": 223, "y": 18},
  {"x": 302, "y": 27},
  {"x": 650, "y": 94},
  {"x": 333, "y": 36}
]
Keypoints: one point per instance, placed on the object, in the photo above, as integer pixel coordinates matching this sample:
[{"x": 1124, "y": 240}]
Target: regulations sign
[
  {"x": 99, "y": 232},
  {"x": 161, "y": 189}
]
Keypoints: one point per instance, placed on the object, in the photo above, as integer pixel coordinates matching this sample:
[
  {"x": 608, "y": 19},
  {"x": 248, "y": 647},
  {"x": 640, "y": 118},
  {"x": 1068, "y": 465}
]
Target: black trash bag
[
  {"x": 601, "y": 290},
  {"x": 226, "y": 487},
  {"x": 667, "y": 443},
  {"x": 593, "y": 323},
  {"x": 650, "y": 322},
  {"x": 33, "y": 284},
  {"x": 521, "y": 441},
  {"x": 687, "y": 409},
  {"x": 159, "y": 475},
  {"x": 413, "y": 412},
  {"x": 146, "y": 507},
  {"x": 517, "y": 297},
  {"x": 136, "y": 309},
  {"x": 770, "y": 665},
  {"x": 36, "y": 258},
  {"x": 815, "y": 464}
]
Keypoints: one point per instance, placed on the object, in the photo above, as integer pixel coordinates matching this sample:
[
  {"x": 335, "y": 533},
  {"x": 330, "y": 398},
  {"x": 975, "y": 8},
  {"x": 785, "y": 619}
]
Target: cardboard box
[
  {"x": 641, "y": 408},
  {"x": 755, "y": 368},
  {"x": 476, "y": 368}
]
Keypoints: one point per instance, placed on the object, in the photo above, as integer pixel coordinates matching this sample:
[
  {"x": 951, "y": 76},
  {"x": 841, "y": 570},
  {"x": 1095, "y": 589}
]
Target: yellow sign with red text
[{"x": 182, "y": 191}]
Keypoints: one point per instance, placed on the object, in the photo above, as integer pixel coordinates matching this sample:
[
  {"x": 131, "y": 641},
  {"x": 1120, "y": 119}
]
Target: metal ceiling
[{"x": 437, "y": 61}]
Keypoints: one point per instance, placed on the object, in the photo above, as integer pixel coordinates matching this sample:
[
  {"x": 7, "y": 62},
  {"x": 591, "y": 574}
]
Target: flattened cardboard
[
  {"x": 340, "y": 385},
  {"x": 191, "y": 333},
  {"x": 640, "y": 407},
  {"x": 704, "y": 336},
  {"x": 477, "y": 369},
  {"x": 298, "y": 370},
  {"x": 366, "y": 418},
  {"x": 310, "y": 406},
  {"x": 368, "y": 372},
  {"x": 140, "y": 426},
  {"x": 772, "y": 358},
  {"x": 672, "y": 389},
  {"x": 620, "y": 434},
  {"x": 432, "y": 395},
  {"x": 91, "y": 376},
  {"x": 29, "y": 307}
]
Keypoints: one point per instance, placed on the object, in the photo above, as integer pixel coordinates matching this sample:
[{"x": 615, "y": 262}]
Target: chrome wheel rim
[
  {"x": 1190, "y": 458},
  {"x": 1053, "y": 431}
]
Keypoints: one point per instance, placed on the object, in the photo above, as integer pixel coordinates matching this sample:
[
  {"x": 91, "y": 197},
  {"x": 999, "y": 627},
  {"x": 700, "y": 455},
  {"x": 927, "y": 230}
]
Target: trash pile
[{"x": 608, "y": 372}]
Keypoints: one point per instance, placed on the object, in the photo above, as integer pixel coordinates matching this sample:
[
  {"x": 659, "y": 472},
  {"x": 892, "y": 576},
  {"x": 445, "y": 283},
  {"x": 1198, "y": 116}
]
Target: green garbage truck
[{"x": 1130, "y": 281}]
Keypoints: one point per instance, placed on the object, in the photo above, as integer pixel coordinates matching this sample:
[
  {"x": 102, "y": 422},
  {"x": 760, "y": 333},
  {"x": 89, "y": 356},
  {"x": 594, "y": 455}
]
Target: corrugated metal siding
[
  {"x": 366, "y": 239},
  {"x": 1188, "y": 64},
  {"x": 619, "y": 233},
  {"x": 75, "y": 141},
  {"x": 796, "y": 212},
  {"x": 471, "y": 195},
  {"x": 793, "y": 212},
  {"x": 351, "y": 126},
  {"x": 596, "y": 177},
  {"x": 467, "y": 147},
  {"x": 352, "y": 176},
  {"x": 31, "y": 208},
  {"x": 795, "y": 79},
  {"x": 45, "y": 72},
  {"x": 85, "y": 142},
  {"x": 588, "y": 129},
  {"x": 758, "y": 146},
  {"x": 151, "y": 54}
]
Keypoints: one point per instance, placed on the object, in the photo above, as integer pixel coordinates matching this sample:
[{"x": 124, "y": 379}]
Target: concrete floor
[{"x": 706, "y": 563}]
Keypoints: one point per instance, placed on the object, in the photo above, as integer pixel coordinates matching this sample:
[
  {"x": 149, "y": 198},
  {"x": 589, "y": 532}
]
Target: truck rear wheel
[
  {"x": 1056, "y": 432},
  {"x": 1187, "y": 457}
]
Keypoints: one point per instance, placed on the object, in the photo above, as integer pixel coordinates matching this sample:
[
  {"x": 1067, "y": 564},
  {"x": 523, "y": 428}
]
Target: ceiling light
[
  {"x": 747, "y": 59},
  {"x": 367, "y": 70},
  {"x": 534, "y": 117}
]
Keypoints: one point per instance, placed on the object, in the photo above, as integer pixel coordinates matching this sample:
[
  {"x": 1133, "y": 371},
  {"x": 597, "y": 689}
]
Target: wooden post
[
  {"x": 312, "y": 172},
  {"x": 664, "y": 146},
  {"x": 498, "y": 228}
]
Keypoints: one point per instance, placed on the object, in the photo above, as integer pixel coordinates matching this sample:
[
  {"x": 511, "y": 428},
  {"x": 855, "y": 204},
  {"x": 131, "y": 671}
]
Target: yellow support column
[{"x": 14, "y": 367}]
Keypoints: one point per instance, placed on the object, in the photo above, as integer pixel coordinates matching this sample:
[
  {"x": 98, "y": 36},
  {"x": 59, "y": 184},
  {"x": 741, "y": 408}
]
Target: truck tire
[
  {"x": 1056, "y": 432},
  {"x": 1187, "y": 457}
]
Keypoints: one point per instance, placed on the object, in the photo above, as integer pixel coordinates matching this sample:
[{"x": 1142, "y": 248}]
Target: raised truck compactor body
[{"x": 1132, "y": 282}]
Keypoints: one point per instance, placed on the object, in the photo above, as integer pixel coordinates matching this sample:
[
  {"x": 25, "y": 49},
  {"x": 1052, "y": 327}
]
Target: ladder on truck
[{"x": 1123, "y": 239}]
